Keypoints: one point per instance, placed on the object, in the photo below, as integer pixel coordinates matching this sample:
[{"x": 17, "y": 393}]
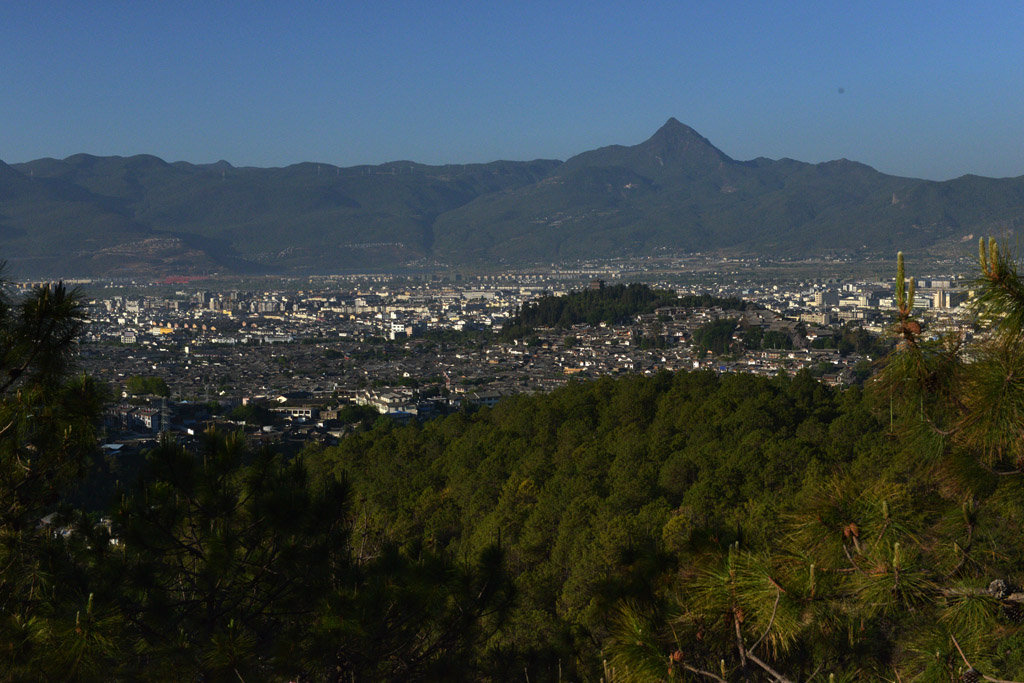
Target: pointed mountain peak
[
  {"x": 674, "y": 124},
  {"x": 675, "y": 149},
  {"x": 677, "y": 140},
  {"x": 674, "y": 129}
]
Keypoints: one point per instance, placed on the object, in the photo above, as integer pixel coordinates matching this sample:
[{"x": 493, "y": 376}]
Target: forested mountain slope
[{"x": 675, "y": 191}]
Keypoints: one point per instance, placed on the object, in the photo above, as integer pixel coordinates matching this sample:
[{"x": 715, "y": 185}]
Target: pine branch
[
  {"x": 971, "y": 666},
  {"x": 962, "y": 592}
]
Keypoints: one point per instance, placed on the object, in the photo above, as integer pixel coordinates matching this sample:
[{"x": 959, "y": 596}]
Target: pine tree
[
  {"x": 50, "y": 624},
  {"x": 236, "y": 565}
]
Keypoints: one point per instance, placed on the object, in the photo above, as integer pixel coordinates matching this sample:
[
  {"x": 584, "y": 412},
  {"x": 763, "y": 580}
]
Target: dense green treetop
[
  {"x": 140, "y": 385},
  {"x": 715, "y": 336},
  {"x": 572, "y": 481},
  {"x": 613, "y": 305}
]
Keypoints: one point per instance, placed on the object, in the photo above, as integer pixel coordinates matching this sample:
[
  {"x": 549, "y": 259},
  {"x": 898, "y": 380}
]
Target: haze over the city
[{"x": 929, "y": 90}]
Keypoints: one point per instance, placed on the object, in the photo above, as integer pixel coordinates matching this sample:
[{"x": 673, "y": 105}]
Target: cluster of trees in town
[
  {"x": 756, "y": 338},
  {"x": 695, "y": 526},
  {"x": 715, "y": 336},
  {"x": 614, "y": 304},
  {"x": 854, "y": 339},
  {"x": 140, "y": 385}
]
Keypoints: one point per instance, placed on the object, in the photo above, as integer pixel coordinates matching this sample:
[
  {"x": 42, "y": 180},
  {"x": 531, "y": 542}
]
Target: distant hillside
[
  {"x": 142, "y": 215},
  {"x": 74, "y": 213},
  {"x": 677, "y": 190}
]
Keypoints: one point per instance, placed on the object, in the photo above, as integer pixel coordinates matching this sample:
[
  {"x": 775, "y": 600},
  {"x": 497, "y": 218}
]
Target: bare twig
[
  {"x": 9, "y": 425},
  {"x": 1001, "y": 473},
  {"x": 739, "y": 639},
  {"x": 881, "y": 532},
  {"x": 771, "y": 621},
  {"x": 779, "y": 677},
  {"x": 850, "y": 558},
  {"x": 816, "y": 670},
  {"x": 701, "y": 672}
]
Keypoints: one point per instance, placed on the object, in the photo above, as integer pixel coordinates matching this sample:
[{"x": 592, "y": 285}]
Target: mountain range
[{"x": 675, "y": 192}]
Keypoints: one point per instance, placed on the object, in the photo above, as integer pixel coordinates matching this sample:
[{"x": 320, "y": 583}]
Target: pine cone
[
  {"x": 972, "y": 675},
  {"x": 999, "y": 589},
  {"x": 1013, "y": 612}
]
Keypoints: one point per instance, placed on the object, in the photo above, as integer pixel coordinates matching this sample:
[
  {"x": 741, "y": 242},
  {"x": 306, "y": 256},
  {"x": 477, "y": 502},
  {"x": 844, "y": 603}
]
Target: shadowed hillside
[{"x": 676, "y": 191}]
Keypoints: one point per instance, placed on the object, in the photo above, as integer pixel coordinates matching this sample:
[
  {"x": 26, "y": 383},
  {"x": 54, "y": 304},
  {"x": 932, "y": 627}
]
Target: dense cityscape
[{"x": 284, "y": 363}]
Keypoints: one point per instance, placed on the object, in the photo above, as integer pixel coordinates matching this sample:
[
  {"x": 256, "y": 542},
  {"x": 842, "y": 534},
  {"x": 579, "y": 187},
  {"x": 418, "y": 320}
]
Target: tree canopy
[{"x": 612, "y": 305}]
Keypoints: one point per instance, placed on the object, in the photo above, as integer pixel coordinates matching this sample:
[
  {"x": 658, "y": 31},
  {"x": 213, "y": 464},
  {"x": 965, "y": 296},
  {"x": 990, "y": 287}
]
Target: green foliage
[
  {"x": 715, "y": 336},
  {"x": 217, "y": 564},
  {"x": 47, "y": 434},
  {"x": 854, "y": 339},
  {"x": 736, "y": 527},
  {"x": 674, "y": 527},
  {"x": 756, "y": 338},
  {"x": 252, "y": 413},
  {"x": 600, "y": 490},
  {"x": 592, "y": 306},
  {"x": 221, "y": 564},
  {"x": 882, "y": 570},
  {"x": 612, "y": 305},
  {"x": 139, "y": 385},
  {"x": 352, "y": 414},
  {"x": 221, "y": 555}
]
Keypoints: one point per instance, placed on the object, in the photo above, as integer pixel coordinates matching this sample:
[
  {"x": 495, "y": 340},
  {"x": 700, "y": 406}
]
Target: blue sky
[{"x": 929, "y": 89}]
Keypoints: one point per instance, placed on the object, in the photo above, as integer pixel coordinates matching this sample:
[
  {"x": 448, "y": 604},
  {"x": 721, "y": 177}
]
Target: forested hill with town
[
  {"x": 675, "y": 192},
  {"x": 645, "y": 528}
]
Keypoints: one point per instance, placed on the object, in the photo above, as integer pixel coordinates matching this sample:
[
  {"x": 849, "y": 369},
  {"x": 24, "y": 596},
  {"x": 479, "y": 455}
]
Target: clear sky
[{"x": 925, "y": 89}]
